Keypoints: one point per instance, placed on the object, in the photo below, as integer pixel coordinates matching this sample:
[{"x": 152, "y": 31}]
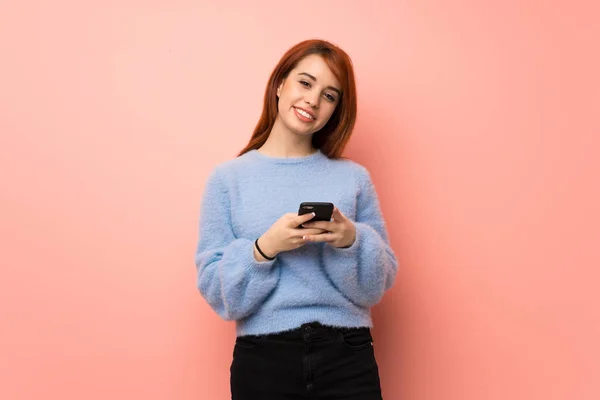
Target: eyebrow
[{"x": 315, "y": 79}]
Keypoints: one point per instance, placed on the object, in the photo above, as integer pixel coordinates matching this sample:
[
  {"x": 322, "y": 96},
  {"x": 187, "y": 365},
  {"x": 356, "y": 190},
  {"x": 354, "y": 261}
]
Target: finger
[
  {"x": 337, "y": 215},
  {"x": 325, "y": 225},
  {"x": 300, "y": 219},
  {"x": 324, "y": 237},
  {"x": 309, "y": 232}
]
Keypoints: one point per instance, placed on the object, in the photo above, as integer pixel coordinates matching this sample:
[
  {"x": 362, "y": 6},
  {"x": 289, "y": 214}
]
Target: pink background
[{"x": 478, "y": 121}]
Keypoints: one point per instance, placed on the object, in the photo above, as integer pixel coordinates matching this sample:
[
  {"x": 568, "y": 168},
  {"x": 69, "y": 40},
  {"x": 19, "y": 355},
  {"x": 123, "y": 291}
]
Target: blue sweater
[{"x": 243, "y": 197}]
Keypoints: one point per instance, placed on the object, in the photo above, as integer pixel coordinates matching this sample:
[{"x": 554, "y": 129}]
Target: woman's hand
[
  {"x": 285, "y": 235},
  {"x": 340, "y": 232}
]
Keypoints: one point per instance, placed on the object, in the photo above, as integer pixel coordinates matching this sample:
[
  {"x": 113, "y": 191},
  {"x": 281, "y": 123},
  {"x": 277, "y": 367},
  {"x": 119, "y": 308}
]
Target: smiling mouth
[{"x": 304, "y": 114}]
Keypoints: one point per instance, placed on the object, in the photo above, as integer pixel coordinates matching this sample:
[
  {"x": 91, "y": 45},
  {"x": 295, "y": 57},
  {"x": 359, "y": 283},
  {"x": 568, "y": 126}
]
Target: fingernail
[
  {"x": 304, "y": 237},
  {"x": 314, "y": 215}
]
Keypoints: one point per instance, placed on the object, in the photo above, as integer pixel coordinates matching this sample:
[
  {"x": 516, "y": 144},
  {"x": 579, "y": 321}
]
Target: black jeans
[{"x": 310, "y": 362}]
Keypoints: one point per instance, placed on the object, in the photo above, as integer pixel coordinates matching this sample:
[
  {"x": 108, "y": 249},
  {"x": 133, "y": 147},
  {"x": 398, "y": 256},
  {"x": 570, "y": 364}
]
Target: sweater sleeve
[
  {"x": 229, "y": 277},
  {"x": 365, "y": 270}
]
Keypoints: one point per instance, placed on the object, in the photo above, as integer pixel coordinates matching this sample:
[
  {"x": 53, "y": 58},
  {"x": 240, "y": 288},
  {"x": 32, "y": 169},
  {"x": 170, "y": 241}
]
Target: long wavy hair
[{"x": 333, "y": 137}]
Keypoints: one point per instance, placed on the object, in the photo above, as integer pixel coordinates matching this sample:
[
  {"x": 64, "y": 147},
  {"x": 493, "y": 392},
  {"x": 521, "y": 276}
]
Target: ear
[{"x": 279, "y": 88}]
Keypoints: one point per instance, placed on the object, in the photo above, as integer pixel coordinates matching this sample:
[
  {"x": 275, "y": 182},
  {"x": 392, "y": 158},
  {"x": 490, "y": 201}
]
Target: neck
[{"x": 282, "y": 143}]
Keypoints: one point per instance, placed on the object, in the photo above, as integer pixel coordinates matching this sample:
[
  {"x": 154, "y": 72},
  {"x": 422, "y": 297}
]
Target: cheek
[
  {"x": 286, "y": 99},
  {"x": 283, "y": 103},
  {"x": 328, "y": 112},
  {"x": 289, "y": 92}
]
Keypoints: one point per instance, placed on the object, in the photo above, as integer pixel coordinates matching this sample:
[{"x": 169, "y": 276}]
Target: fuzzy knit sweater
[{"x": 243, "y": 197}]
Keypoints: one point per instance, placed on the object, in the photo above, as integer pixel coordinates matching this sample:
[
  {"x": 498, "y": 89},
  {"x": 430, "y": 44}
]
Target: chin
[{"x": 303, "y": 132}]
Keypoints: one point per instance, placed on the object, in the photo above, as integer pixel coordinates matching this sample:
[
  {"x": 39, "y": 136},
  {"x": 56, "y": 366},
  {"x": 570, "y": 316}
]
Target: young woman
[{"x": 299, "y": 291}]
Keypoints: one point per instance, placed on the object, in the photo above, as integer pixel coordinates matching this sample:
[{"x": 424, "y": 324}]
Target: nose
[{"x": 312, "y": 99}]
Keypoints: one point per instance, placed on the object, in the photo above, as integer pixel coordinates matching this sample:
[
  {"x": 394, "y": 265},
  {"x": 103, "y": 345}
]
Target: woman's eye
[
  {"x": 330, "y": 97},
  {"x": 304, "y": 83}
]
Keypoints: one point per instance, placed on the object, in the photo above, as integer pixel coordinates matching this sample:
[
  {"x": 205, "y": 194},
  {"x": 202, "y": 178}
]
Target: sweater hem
[{"x": 277, "y": 321}]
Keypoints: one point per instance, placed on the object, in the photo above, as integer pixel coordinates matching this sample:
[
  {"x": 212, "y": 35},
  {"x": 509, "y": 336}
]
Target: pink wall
[{"x": 478, "y": 121}]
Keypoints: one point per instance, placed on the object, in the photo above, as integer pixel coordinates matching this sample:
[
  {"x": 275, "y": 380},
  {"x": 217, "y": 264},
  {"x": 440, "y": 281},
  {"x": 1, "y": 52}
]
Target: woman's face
[{"x": 308, "y": 96}]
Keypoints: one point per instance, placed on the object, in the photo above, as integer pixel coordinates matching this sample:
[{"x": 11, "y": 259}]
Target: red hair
[{"x": 333, "y": 137}]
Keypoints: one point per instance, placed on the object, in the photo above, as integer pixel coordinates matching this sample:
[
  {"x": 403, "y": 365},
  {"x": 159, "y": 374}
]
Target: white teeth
[{"x": 304, "y": 113}]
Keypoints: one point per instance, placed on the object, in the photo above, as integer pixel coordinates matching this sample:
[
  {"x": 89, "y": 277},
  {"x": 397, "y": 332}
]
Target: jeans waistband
[{"x": 314, "y": 330}]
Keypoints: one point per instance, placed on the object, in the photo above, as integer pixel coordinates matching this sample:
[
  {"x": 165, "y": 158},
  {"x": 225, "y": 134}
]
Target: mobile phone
[{"x": 323, "y": 211}]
